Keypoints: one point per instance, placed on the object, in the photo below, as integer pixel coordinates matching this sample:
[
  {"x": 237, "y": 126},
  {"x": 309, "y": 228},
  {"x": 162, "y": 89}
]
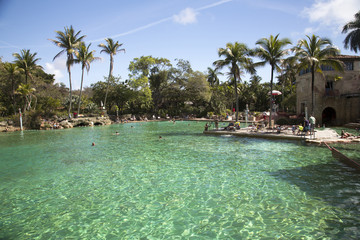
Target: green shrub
[
  {"x": 289, "y": 121},
  {"x": 162, "y": 113},
  {"x": 296, "y": 121},
  {"x": 282, "y": 121},
  {"x": 32, "y": 119}
]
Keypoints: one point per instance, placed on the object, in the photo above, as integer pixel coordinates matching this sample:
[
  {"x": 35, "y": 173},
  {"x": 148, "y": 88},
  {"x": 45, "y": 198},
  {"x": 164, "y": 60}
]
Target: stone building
[{"x": 336, "y": 94}]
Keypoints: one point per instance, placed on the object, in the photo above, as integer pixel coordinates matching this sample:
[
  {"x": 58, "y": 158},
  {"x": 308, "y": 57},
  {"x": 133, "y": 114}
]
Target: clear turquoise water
[{"x": 55, "y": 185}]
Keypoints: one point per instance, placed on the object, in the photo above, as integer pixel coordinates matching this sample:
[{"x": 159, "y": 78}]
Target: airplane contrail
[{"x": 159, "y": 22}]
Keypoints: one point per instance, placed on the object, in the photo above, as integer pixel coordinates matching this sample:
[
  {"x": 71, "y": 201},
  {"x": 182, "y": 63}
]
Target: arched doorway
[{"x": 328, "y": 116}]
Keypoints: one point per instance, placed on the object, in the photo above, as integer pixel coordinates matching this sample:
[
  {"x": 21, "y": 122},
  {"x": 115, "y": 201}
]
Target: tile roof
[{"x": 347, "y": 57}]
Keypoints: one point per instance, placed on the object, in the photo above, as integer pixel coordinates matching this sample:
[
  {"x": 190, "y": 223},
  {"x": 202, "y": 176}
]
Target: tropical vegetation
[
  {"x": 271, "y": 50},
  {"x": 85, "y": 57},
  {"x": 68, "y": 41},
  {"x": 160, "y": 87},
  {"x": 238, "y": 57},
  {"x": 110, "y": 48}
]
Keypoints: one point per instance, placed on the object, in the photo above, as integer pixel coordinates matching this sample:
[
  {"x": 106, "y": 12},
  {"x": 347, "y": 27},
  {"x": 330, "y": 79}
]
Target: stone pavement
[{"x": 324, "y": 135}]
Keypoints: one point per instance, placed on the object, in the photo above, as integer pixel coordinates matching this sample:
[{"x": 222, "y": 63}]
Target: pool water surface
[{"x": 186, "y": 185}]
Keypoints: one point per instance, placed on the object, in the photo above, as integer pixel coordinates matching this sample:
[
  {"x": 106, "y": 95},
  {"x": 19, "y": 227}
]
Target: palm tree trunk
[
  {"x": 25, "y": 106},
  {"x": 108, "y": 81},
  {"x": 271, "y": 96},
  {"x": 29, "y": 102},
  {"x": 237, "y": 100},
  {"x": 312, "y": 88},
  {"x": 13, "y": 95},
  {"x": 81, "y": 85},
  {"x": 13, "y": 103},
  {"x": 70, "y": 92},
  {"x": 26, "y": 76},
  {"x": 35, "y": 102}
]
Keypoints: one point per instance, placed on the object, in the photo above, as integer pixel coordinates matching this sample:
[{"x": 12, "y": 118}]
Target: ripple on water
[{"x": 56, "y": 185}]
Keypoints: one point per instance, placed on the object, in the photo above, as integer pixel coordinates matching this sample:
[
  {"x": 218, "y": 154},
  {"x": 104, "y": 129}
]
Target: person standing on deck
[
  {"x": 217, "y": 124},
  {"x": 312, "y": 121},
  {"x": 306, "y": 126}
]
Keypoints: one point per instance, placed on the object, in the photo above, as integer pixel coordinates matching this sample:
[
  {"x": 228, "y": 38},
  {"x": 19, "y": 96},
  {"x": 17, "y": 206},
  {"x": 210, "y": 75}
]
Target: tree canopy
[{"x": 161, "y": 87}]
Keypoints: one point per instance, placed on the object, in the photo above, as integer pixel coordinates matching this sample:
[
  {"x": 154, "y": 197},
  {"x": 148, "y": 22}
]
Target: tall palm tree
[
  {"x": 27, "y": 62},
  {"x": 352, "y": 40},
  {"x": 68, "y": 41},
  {"x": 212, "y": 76},
  {"x": 110, "y": 48},
  {"x": 11, "y": 71},
  {"x": 314, "y": 52},
  {"x": 271, "y": 50},
  {"x": 85, "y": 57},
  {"x": 237, "y": 57}
]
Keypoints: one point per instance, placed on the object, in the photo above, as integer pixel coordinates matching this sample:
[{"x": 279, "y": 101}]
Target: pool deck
[{"x": 324, "y": 135}]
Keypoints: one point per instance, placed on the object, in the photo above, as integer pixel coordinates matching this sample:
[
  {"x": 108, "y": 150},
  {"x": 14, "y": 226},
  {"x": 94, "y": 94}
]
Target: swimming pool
[{"x": 55, "y": 185}]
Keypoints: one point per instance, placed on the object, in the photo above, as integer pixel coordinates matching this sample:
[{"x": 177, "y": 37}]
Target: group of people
[
  {"x": 309, "y": 126},
  {"x": 206, "y": 128}
]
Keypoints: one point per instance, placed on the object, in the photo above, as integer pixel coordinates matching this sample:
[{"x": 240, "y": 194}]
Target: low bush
[{"x": 282, "y": 121}]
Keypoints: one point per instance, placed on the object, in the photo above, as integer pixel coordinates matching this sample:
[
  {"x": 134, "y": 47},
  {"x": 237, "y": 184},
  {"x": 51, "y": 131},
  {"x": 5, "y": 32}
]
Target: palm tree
[
  {"x": 314, "y": 52},
  {"x": 213, "y": 76},
  {"x": 27, "y": 62},
  {"x": 85, "y": 57},
  {"x": 352, "y": 40},
  {"x": 68, "y": 41},
  {"x": 271, "y": 50},
  {"x": 27, "y": 92},
  {"x": 287, "y": 77},
  {"x": 110, "y": 48},
  {"x": 11, "y": 71},
  {"x": 237, "y": 57},
  {"x": 288, "y": 73}
]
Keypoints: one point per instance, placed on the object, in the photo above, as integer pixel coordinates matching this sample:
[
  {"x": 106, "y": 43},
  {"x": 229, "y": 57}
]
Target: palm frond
[{"x": 352, "y": 40}]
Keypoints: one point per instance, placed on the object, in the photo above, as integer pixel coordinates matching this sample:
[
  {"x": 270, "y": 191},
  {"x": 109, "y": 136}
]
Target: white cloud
[
  {"x": 332, "y": 13},
  {"x": 58, "y": 67},
  {"x": 186, "y": 16},
  {"x": 310, "y": 30}
]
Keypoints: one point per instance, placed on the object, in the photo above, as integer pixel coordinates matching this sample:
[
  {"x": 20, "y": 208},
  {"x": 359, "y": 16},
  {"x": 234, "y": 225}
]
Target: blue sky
[{"x": 178, "y": 29}]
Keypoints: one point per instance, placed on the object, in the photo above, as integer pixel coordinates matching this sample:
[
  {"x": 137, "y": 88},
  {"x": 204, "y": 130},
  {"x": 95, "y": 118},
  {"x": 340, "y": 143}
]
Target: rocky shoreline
[{"x": 9, "y": 126}]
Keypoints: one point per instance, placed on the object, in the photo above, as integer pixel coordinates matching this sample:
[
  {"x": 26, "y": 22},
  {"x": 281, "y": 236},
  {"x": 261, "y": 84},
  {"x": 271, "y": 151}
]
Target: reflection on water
[{"x": 134, "y": 185}]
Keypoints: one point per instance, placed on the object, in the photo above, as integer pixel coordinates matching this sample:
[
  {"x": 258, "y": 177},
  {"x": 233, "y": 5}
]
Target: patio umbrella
[{"x": 275, "y": 93}]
